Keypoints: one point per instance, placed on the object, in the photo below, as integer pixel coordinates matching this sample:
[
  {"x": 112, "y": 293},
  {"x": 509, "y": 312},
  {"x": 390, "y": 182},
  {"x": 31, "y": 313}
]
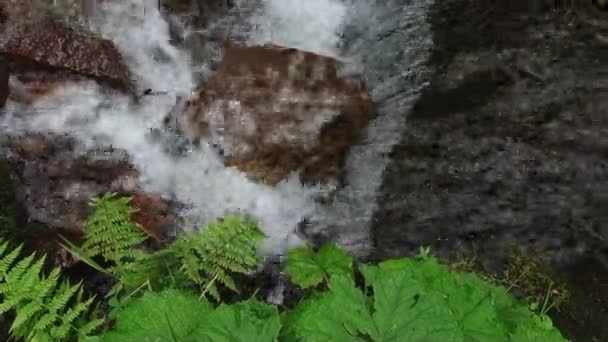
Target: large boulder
[
  {"x": 55, "y": 181},
  {"x": 273, "y": 110}
]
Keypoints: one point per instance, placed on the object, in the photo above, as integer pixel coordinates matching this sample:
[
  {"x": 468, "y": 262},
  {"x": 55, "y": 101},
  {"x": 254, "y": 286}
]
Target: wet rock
[
  {"x": 47, "y": 49},
  {"x": 202, "y": 26},
  {"x": 506, "y": 148},
  {"x": 200, "y": 12},
  {"x": 4, "y": 78},
  {"x": 273, "y": 111},
  {"x": 39, "y": 8},
  {"x": 55, "y": 181},
  {"x": 153, "y": 215}
]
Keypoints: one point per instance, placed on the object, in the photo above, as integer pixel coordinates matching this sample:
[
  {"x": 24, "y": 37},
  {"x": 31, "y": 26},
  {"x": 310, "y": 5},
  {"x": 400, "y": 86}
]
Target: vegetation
[
  {"x": 412, "y": 300},
  {"x": 205, "y": 258},
  {"x": 45, "y": 309},
  {"x": 174, "y": 294}
]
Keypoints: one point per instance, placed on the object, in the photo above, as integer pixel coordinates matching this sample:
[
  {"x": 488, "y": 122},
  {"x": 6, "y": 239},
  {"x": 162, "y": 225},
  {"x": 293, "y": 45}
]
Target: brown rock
[
  {"x": 152, "y": 215},
  {"x": 49, "y": 47},
  {"x": 32, "y": 147},
  {"x": 274, "y": 110},
  {"x": 40, "y": 8},
  {"x": 54, "y": 186}
]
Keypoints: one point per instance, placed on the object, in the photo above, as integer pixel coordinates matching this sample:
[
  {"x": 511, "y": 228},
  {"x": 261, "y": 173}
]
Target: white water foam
[
  {"x": 311, "y": 25},
  {"x": 199, "y": 178}
]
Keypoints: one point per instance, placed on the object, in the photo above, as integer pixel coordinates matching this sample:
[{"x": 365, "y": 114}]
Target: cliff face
[
  {"x": 506, "y": 147},
  {"x": 4, "y": 79}
]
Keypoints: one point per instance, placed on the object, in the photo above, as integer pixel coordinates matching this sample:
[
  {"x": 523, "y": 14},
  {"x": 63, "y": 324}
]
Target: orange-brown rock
[
  {"x": 49, "y": 46},
  {"x": 31, "y": 147},
  {"x": 274, "y": 110},
  {"x": 152, "y": 215}
]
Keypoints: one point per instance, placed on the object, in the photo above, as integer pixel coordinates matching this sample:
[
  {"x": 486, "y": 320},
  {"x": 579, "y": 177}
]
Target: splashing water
[
  {"x": 199, "y": 178},
  {"x": 311, "y": 25}
]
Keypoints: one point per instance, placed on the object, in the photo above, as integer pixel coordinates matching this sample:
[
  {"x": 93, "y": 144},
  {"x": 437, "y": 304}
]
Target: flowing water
[{"x": 352, "y": 31}]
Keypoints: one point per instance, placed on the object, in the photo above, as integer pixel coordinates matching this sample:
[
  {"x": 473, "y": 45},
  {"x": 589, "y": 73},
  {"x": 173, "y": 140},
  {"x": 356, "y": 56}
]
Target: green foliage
[
  {"x": 307, "y": 268},
  {"x": 111, "y": 233},
  {"x": 208, "y": 256},
  {"x": 45, "y": 309},
  {"x": 174, "y": 315},
  {"x": 405, "y": 299},
  {"x": 529, "y": 276},
  {"x": 415, "y": 300},
  {"x": 170, "y": 315}
]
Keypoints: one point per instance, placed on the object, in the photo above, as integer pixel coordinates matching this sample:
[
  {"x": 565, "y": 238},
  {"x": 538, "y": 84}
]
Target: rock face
[
  {"x": 54, "y": 183},
  {"x": 38, "y": 8},
  {"x": 4, "y": 79},
  {"x": 199, "y": 13},
  {"x": 507, "y": 147},
  {"x": 273, "y": 110},
  {"x": 47, "y": 49}
]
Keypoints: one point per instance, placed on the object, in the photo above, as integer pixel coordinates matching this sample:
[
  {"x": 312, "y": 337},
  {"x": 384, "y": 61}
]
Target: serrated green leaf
[
  {"x": 414, "y": 300},
  {"x": 307, "y": 268},
  {"x": 248, "y": 321},
  {"x": 160, "y": 316}
]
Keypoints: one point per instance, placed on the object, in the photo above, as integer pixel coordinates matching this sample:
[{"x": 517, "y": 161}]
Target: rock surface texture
[
  {"x": 273, "y": 111},
  {"x": 44, "y": 48},
  {"x": 507, "y": 146},
  {"x": 4, "y": 81},
  {"x": 55, "y": 181}
]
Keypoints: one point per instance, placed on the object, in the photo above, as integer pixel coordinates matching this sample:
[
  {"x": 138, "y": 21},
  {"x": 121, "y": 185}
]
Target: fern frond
[
  {"x": 39, "y": 302},
  {"x": 110, "y": 232},
  {"x": 209, "y": 256}
]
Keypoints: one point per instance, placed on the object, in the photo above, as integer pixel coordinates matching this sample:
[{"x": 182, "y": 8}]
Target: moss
[
  {"x": 535, "y": 281},
  {"x": 524, "y": 276}
]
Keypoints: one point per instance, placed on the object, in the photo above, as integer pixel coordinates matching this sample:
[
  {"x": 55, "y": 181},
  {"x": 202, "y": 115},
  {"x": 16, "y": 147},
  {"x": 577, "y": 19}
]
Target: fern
[
  {"x": 44, "y": 308},
  {"x": 208, "y": 256},
  {"x": 111, "y": 233}
]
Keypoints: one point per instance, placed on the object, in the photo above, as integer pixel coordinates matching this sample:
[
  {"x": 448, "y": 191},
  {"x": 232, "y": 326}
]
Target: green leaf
[
  {"x": 82, "y": 255},
  {"x": 174, "y": 315},
  {"x": 538, "y": 328},
  {"x": 170, "y": 315},
  {"x": 306, "y": 268},
  {"x": 336, "y": 315},
  {"x": 414, "y": 300},
  {"x": 248, "y": 321}
]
